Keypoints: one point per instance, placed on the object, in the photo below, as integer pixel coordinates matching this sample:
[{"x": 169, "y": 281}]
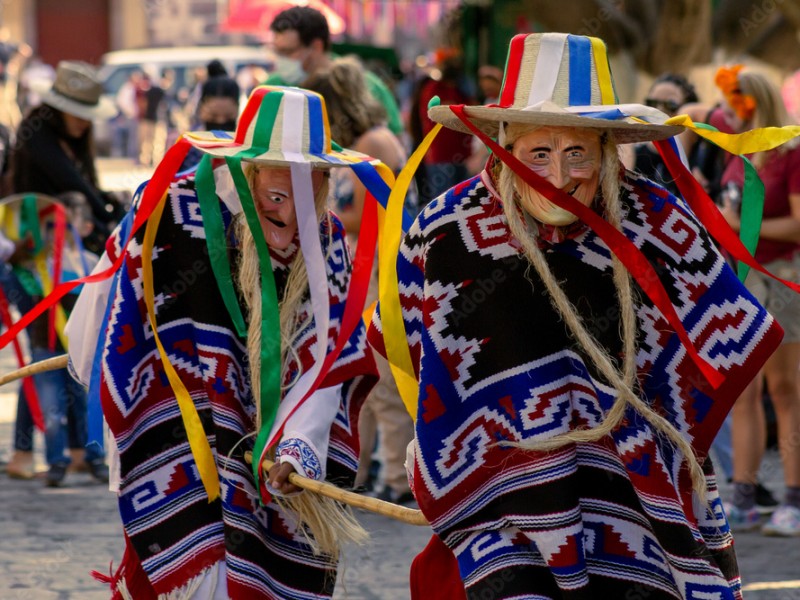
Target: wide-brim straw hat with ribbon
[
  {"x": 280, "y": 126},
  {"x": 559, "y": 79},
  {"x": 77, "y": 90}
]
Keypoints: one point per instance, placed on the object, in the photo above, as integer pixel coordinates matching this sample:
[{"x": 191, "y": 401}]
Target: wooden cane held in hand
[
  {"x": 49, "y": 364},
  {"x": 380, "y": 507}
]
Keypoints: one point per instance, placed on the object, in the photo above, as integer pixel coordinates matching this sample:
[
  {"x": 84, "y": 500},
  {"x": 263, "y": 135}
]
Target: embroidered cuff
[{"x": 302, "y": 456}]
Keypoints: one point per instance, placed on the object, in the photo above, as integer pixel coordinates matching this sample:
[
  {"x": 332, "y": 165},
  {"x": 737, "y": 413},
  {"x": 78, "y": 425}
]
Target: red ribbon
[
  {"x": 150, "y": 198},
  {"x": 709, "y": 214},
  {"x": 31, "y": 397},
  {"x": 627, "y": 253},
  {"x": 58, "y": 252}
]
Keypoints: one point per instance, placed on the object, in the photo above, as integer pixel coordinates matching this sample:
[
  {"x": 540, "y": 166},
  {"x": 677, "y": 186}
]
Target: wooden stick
[
  {"x": 380, "y": 507},
  {"x": 48, "y": 364}
]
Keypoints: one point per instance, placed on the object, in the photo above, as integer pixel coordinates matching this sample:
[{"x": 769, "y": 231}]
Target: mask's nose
[
  {"x": 286, "y": 211},
  {"x": 559, "y": 173}
]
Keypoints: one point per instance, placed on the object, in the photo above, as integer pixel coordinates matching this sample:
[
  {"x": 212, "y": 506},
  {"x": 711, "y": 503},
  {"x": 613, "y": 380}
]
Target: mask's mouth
[
  {"x": 573, "y": 190},
  {"x": 276, "y": 222}
]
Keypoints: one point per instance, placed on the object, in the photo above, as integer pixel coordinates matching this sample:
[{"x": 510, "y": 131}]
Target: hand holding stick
[{"x": 380, "y": 507}]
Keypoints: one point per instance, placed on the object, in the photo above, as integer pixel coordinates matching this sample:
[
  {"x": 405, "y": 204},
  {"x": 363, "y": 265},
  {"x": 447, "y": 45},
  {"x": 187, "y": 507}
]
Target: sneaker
[
  {"x": 740, "y": 519},
  {"x": 98, "y": 468},
  {"x": 784, "y": 522},
  {"x": 765, "y": 501},
  {"x": 55, "y": 474}
]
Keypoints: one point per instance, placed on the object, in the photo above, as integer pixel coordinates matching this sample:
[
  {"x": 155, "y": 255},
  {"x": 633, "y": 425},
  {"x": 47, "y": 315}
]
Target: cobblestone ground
[{"x": 50, "y": 539}]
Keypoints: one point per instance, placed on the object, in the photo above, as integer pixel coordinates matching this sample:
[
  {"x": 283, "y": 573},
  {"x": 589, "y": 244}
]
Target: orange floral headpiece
[{"x": 727, "y": 80}]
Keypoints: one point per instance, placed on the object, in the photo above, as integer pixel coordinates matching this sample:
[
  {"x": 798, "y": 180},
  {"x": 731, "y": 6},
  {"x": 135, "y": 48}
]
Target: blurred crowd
[{"x": 47, "y": 150}]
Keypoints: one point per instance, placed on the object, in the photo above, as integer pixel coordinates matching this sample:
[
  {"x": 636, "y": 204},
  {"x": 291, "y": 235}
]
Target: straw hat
[
  {"x": 280, "y": 126},
  {"x": 78, "y": 92},
  {"x": 558, "y": 79}
]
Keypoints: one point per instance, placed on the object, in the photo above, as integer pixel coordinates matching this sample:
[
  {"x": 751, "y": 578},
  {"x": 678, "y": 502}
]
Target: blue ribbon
[{"x": 580, "y": 71}]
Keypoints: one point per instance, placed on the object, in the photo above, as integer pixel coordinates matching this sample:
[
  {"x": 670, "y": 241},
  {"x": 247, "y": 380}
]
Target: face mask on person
[
  {"x": 226, "y": 126},
  {"x": 568, "y": 158},
  {"x": 290, "y": 70}
]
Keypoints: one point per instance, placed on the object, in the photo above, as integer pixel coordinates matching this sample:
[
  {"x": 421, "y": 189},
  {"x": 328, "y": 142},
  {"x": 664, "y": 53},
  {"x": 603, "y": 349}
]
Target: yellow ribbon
[
  {"x": 394, "y": 331},
  {"x": 748, "y": 142},
  {"x": 607, "y": 95},
  {"x": 198, "y": 441}
]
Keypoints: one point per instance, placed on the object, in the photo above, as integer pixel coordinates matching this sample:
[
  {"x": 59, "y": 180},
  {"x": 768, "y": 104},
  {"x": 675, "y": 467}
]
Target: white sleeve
[
  {"x": 307, "y": 433},
  {"x": 85, "y": 321}
]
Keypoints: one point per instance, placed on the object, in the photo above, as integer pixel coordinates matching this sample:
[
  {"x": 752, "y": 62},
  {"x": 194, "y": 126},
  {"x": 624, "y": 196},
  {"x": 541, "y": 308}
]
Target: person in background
[
  {"x": 54, "y": 153},
  {"x": 126, "y": 126},
  {"x": 63, "y": 400},
  {"x": 708, "y": 161},
  {"x": 445, "y": 163},
  {"x": 35, "y": 76},
  {"x": 668, "y": 94},
  {"x": 302, "y": 42},
  {"x": 249, "y": 77},
  {"x": 217, "y": 110},
  {"x": 757, "y": 102},
  {"x": 490, "y": 81},
  {"x": 358, "y": 122},
  {"x": 153, "y": 103}
]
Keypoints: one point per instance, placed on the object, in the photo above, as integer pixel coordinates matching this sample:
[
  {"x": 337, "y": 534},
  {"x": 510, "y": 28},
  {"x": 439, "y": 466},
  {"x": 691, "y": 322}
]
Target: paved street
[{"x": 51, "y": 538}]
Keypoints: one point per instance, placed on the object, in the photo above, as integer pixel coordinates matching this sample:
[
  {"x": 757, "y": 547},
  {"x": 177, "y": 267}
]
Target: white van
[{"x": 117, "y": 66}]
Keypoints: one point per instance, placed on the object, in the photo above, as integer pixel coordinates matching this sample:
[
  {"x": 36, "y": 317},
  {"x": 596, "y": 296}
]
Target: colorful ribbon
[
  {"x": 270, "y": 391},
  {"x": 151, "y": 196},
  {"x": 394, "y": 332},
  {"x": 198, "y": 441}
]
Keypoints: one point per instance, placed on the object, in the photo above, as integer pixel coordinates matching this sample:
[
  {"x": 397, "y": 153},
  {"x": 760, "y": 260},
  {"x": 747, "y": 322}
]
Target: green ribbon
[
  {"x": 751, "y": 214},
  {"x": 29, "y": 222},
  {"x": 216, "y": 242},
  {"x": 270, "y": 316},
  {"x": 752, "y": 209}
]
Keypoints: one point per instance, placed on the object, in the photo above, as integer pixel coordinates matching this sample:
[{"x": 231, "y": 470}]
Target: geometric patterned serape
[
  {"x": 495, "y": 363},
  {"x": 174, "y": 534}
]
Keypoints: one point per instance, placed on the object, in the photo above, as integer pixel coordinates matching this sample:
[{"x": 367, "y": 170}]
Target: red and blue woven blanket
[
  {"x": 174, "y": 533},
  {"x": 496, "y": 363}
]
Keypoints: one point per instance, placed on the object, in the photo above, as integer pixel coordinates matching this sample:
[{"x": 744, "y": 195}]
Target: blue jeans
[
  {"x": 59, "y": 394},
  {"x": 76, "y": 426}
]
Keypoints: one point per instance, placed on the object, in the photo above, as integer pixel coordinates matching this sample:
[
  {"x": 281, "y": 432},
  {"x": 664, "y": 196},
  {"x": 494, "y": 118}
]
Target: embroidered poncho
[
  {"x": 174, "y": 534},
  {"x": 496, "y": 363}
]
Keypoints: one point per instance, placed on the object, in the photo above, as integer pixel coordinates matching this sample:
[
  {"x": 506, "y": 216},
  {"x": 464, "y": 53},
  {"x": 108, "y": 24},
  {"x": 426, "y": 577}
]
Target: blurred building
[{"x": 85, "y": 29}]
